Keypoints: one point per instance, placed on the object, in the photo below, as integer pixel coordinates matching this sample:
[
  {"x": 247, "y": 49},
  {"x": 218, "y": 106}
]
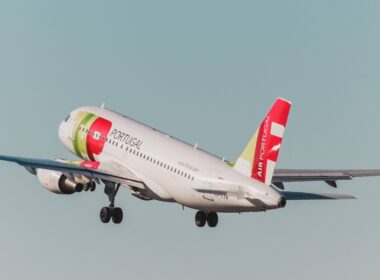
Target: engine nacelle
[{"x": 57, "y": 182}]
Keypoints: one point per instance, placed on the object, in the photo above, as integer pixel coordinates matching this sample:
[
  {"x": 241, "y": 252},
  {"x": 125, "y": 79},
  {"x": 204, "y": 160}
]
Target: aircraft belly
[
  {"x": 222, "y": 206},
  {"x": 214, "y": 203}
]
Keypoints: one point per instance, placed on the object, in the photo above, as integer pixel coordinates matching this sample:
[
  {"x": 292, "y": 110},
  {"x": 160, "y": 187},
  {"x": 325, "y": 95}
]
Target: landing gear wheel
[
  {"x": 105, "y": 215},
  {"x": 117, "y": 215},
  {"x": 212, "y": 219},
  {"x": 92, "y": 186},
  {"x": 200, "y": 219}
]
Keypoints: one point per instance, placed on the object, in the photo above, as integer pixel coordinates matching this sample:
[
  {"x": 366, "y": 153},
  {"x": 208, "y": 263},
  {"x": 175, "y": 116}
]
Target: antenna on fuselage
[{"x": 103, "y": 104}]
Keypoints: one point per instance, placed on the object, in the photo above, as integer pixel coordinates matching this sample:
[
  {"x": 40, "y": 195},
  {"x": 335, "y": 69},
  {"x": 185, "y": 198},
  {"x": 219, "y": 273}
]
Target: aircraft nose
[{"x": 61, "y": 130}]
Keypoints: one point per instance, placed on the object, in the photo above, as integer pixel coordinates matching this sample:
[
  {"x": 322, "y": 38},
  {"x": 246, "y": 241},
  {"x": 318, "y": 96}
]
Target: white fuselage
[{"x": 172, "y": 170}]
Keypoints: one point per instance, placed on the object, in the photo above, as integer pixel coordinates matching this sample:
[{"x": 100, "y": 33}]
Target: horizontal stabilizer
[
  {"x": 314, "y": 196},
  {"x": 329, "y": 176}
]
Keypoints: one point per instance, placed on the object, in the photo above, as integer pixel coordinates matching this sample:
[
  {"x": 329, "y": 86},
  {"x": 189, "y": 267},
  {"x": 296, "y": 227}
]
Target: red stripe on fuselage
[
  {"x": 97, "y": 136},
  {"x": 90, "y": 164}
]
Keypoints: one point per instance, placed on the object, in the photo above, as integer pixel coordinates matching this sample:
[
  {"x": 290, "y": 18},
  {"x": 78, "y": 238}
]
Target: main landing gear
[
  {"x": 201, "y": 218},
  {"x": 111, "y": 212}
]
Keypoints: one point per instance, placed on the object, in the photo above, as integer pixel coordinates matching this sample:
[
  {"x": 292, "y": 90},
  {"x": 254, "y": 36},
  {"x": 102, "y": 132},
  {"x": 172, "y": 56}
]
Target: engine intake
[
  {"x": 67, "y": 186},
  {"x": 57, "y": 182}
]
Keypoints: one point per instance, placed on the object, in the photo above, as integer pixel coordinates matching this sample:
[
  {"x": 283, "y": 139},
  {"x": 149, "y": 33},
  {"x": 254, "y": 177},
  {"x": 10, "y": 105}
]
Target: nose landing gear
[
  {"x": 201, "y": 218},
  {"x": 91, "y": 186}
]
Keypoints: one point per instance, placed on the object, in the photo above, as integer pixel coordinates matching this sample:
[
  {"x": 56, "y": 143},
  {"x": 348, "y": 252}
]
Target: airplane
[{"x": 117, "y": 151}]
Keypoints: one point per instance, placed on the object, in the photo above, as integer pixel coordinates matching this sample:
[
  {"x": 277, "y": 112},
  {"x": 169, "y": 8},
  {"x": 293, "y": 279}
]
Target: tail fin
[{"x": 260, "y": 156}]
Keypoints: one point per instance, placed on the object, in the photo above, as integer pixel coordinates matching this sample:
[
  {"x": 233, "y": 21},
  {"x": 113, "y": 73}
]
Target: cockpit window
[{"x": 67, "y": 118}]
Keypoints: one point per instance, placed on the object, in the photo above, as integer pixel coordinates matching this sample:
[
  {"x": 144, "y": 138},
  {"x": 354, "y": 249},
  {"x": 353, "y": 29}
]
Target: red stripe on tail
[{"x": 269, "y": 140}]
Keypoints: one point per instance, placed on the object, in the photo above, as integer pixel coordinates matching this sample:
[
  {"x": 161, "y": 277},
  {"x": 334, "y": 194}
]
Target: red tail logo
[{"x": 269, "y": 139}]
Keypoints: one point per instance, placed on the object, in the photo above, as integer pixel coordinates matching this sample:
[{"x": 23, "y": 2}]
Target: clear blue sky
[{"x": 204, "y": 71}]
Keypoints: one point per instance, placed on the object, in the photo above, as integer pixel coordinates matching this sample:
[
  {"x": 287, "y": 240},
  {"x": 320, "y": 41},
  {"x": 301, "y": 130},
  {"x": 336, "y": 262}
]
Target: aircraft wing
[
  {"x": 282, "y": 176},
  {"x": 71, "y": 168}
]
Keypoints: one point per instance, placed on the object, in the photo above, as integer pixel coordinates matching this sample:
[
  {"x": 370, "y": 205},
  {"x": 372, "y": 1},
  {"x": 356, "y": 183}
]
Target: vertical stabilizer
[{"x": 260, "y": 156}]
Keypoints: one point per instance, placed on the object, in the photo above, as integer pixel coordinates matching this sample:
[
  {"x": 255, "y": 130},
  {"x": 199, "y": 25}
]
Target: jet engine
[{"x": 57, "y": 182}]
